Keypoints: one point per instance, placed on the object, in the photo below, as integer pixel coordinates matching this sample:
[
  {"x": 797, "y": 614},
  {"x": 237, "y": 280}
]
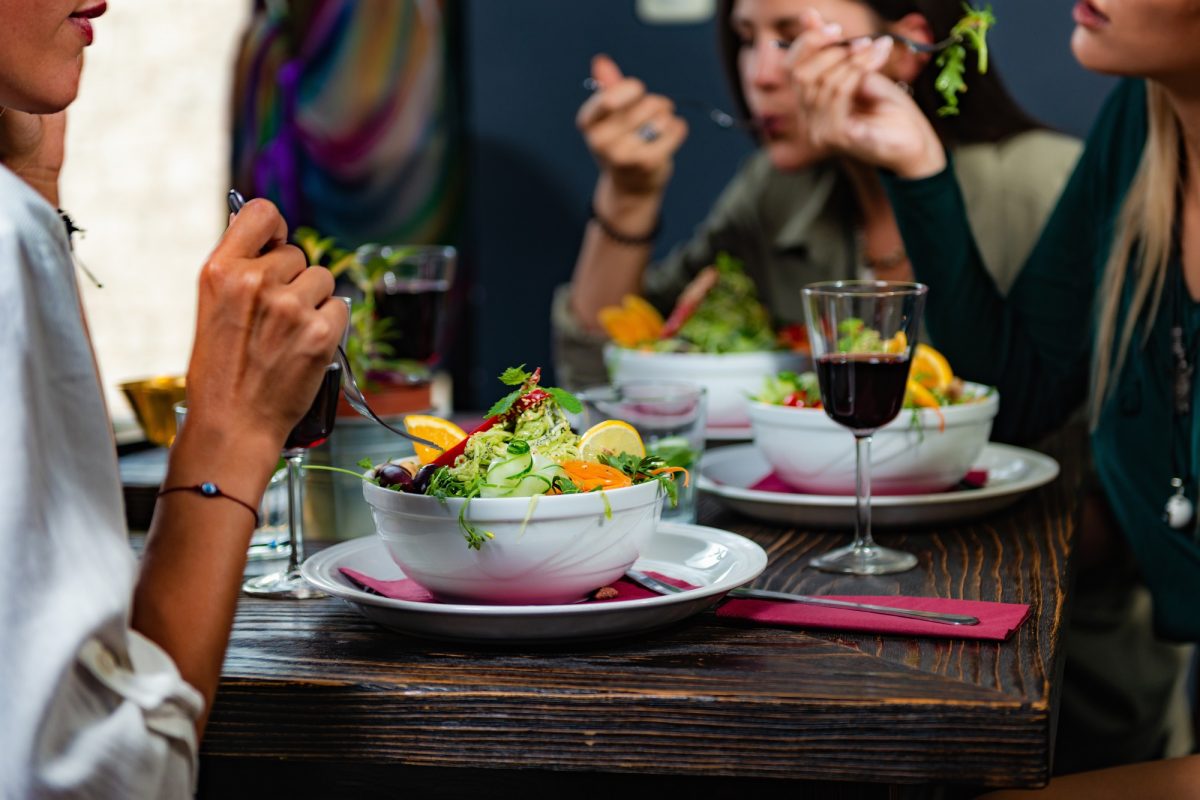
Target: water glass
[{"x": 671, "y": 418}]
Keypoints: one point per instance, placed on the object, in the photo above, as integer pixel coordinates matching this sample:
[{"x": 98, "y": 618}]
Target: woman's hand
[
  {"x": 266, "y": 330},
  {"x": 31, "y": 145},
  {"x": 632, "y": 134},
  {"x": 853, "y": 109}
]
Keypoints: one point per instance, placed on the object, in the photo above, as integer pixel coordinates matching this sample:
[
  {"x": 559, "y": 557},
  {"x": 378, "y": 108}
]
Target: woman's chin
[{"x": 787, "y": 156}]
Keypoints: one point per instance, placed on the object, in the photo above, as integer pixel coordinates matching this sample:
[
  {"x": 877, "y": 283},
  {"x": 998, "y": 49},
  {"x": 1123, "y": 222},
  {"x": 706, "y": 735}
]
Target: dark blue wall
[{"x": 530, "y": 176}]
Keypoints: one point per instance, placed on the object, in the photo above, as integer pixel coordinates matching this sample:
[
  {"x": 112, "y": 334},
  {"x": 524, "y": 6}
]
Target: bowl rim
[
  {"x": 639, "y": 353},
  {"x": 988, "y": 404},
  {"x": 519, "y": 505}
]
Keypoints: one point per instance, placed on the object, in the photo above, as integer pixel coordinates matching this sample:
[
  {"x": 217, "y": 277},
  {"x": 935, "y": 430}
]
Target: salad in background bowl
[
  {"x": 718, "y": 335},
  {"x": 521, "y": 510},
  {"x": 929, "y": 447}
]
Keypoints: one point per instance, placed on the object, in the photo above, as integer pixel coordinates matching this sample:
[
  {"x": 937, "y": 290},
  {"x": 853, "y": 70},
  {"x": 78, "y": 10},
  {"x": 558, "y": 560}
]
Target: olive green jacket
[{"x": 793, "y": 228}]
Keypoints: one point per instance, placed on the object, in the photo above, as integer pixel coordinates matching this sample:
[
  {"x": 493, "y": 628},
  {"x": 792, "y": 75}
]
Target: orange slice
[
  {"x": 435, "y": 429},
  {"x": 612, "y": 437},
  {"x": 930, "y": 369},
  {"x": 896, "y": 344}
]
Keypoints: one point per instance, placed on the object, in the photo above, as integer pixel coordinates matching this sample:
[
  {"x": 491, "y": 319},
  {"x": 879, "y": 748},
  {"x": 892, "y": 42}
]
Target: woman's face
[
  {"x": 41, "y": 51},
  {"x": 765, "y": 29},
  {"x": 1157, "y": 39}
]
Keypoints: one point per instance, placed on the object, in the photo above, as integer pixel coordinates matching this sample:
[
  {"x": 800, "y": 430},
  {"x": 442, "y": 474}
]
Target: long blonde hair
[{"x": 1144, "y": 229}]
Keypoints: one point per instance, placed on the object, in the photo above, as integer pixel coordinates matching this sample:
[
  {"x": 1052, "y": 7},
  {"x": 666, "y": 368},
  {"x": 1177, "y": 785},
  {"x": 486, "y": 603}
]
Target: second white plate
[{"x": 729, "y": 472}]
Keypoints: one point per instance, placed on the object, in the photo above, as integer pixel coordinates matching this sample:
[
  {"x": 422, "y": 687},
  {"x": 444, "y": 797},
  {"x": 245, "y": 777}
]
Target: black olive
[
  {"x": 394, "y": 476},
  {"x": 420, "y": 483}
]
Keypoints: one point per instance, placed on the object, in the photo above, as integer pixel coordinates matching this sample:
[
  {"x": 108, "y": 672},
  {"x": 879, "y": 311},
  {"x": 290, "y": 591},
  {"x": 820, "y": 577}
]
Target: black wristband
[
  {"x": 621, "y": 238},
  {"x": 210, "y": 489}
]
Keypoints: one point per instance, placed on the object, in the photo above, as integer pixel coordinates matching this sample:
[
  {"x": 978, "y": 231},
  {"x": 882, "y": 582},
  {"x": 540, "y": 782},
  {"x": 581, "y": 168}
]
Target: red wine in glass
[
  {"x": 862, "y": 391},
  {"x": 317, "y": 423},
  {"x": 414, "y": 309},
  {"x": 862, "y": 335}
]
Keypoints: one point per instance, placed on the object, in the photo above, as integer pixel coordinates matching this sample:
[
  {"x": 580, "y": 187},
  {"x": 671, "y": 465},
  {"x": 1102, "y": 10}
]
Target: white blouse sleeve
[{"x": 88, "y": 707}]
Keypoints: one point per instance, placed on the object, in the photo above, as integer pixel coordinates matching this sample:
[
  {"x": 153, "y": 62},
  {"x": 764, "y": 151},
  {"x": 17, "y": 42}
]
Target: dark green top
[{"x": 1036, "y": 345}]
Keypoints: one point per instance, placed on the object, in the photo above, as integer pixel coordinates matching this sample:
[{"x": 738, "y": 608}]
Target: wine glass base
[
  {"x": 282, "y": 585},
  {"x": 873, "y": 560}
]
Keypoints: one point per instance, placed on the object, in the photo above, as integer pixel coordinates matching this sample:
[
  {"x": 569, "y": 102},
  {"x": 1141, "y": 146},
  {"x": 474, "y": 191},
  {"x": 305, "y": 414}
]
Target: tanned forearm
[{"x": 196, "y": 552}]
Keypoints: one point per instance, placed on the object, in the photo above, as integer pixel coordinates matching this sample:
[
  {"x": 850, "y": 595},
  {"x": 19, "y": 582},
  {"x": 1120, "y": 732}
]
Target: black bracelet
[
  {"x": 210, "y": 489},
  {"x": 621, "y": 238}
]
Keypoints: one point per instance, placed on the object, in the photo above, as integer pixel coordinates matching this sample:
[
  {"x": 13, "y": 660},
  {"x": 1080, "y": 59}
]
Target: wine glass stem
[
  {"x": 295, "y": 480},
  {"x": 862, "y": 492}
]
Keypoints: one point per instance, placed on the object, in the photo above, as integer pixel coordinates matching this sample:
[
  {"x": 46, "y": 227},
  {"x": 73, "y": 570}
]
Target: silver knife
[{"x": 655, "y": 585}]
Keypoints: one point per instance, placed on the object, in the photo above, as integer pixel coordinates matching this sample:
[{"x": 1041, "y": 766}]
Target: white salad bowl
[
  {"x": 912, "y": 454},
  {"x": 728, "y": 377},
  {"x": 547, "y": 549}
]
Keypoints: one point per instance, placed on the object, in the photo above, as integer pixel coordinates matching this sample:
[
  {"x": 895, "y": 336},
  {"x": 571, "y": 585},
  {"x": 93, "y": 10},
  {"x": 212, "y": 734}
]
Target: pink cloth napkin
[
  {"x": 974, "y": 479},
  {"x": 997, "y": 621}
]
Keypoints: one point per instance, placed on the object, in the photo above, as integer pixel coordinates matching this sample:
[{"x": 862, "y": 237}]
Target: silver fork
[
  {"x": 358, "y": 402},
  {"x": 722, "y": 119},
  {"x": 662, "y": 587},
  {"x": 911, "y": 44}
]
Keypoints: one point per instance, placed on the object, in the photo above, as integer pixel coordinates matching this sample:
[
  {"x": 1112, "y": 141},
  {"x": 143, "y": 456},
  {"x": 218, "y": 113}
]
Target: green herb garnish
[{"x": 970, "y": 31}]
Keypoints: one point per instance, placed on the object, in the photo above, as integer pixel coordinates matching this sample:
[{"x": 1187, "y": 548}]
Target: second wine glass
[
  {"x": 312, "y": 429},
  {"x": 862, "y": 335}
]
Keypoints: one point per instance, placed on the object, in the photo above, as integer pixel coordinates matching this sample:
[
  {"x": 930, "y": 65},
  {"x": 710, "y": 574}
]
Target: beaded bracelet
[
  {"x": 621, "y": 238},
  {"x": 210, "y": 489}
]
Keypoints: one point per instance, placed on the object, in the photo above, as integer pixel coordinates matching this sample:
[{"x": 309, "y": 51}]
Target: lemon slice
[
  {"x": 931, "y": 369},
  {"x": 611, "y": 437},
  {"x": 435, "y": 429}
]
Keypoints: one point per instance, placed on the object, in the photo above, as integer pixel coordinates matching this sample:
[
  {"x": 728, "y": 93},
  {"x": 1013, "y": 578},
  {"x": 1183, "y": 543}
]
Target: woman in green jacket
[
  {"x": 795, "y": 212},
  {"x": 1106, "y": 309}
]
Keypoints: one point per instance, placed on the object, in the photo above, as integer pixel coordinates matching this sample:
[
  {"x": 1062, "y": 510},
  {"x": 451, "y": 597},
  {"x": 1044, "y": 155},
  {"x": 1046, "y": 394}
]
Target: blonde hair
[{"x": 1143, "y": 240}]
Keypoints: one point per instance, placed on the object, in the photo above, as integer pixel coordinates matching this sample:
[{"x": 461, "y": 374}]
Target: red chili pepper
[{"x": 522, "y": 404}]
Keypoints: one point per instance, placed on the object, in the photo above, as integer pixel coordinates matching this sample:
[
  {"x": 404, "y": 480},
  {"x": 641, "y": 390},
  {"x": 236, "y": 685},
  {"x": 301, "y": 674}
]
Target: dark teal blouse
[{"x": 1036, "y": 346}]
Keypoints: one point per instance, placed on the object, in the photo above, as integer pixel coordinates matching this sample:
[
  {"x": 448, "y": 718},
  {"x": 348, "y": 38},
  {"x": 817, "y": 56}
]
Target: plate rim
[
  {"x": 1047, "y": 463},
  {"x": 341, "y": 588}
]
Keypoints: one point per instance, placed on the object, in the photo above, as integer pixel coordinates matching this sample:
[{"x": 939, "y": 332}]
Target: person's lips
[
  {"x": 1088, "y": 16},
  {"x": 82, "y": 20}
]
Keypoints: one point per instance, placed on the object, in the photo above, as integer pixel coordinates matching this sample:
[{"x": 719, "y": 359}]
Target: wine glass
[
  {"x": 862, "y": 335},
  {"x": 312, "y": 429}
]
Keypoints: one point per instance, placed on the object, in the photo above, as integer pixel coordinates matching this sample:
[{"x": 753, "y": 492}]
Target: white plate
[
  {"x": 728, "y": 472},
  {"x": 713, "y": 560}
]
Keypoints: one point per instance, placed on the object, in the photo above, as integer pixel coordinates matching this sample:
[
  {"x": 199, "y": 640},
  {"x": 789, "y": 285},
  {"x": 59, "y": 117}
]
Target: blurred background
[{"x": 404, "y": 122}]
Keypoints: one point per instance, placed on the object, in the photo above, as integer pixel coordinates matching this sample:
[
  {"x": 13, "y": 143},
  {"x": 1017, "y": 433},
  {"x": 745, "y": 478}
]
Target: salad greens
[
  {"x": 525, "y": 448},
  {"x": 730, "y": 318},
  {"x": 970, "y": 31}
]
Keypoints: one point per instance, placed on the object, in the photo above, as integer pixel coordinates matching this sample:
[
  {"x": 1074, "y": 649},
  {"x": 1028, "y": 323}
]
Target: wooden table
[{"x": 317, "y": 698}]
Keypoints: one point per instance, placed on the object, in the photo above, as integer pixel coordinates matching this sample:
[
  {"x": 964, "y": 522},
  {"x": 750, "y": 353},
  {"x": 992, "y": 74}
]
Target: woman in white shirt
[{"x": 108, "y": 667}]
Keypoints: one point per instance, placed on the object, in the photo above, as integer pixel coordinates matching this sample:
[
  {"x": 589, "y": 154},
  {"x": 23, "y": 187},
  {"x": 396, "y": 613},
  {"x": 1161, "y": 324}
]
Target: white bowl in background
[
  {"x": 910, "y": 455},
  {"x": 546, "y": 550},
  {"x": 728, "y": 377}
]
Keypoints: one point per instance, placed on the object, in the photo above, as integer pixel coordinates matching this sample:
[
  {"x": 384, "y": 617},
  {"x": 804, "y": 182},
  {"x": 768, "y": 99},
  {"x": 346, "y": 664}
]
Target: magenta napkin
[
  {"x": 997, "y": 621},
  {"x": 974, "y": 479}
]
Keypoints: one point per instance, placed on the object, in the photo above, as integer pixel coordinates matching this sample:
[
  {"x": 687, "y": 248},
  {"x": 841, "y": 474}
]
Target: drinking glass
[
  {"x": 268, "y": 542},
  {"x": 862, "y": 335},
  {"x": 670, "y": 416},
  {"x": 312, "y": 429},
  {"x": 152, "y": 400},
  {"x": 409, "y": 287}
]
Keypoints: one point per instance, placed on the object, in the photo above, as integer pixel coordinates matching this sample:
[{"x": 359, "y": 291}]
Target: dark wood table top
[{"x": 332, "y": 700}]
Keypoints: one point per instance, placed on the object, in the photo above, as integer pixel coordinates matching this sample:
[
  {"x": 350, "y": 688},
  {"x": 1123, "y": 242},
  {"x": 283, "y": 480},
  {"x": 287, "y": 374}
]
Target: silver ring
[{"x": 648, "y": 133}]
